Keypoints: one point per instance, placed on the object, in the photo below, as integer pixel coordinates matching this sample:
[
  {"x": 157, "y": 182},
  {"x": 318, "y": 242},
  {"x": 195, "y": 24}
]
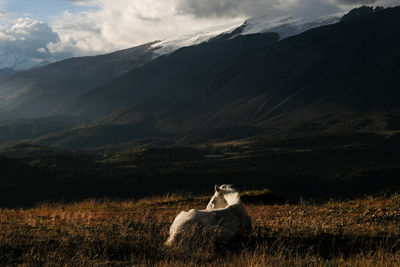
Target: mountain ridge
[
  {"x": 27, "y": 94},
  {"x": 321, "y": 72},
  {"x": 35, "y": 93},
  {"x": 250, "y": 85}
]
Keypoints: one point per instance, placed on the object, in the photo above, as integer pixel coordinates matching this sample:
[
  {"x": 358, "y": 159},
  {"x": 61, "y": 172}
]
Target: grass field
[{"x": 363, "y": 232}]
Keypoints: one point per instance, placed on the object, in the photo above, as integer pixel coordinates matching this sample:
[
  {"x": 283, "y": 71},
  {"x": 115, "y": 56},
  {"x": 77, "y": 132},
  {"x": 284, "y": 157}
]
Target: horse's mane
[
  {"x": 228, "y": 188},
  {"x": 231, "y": 195}
]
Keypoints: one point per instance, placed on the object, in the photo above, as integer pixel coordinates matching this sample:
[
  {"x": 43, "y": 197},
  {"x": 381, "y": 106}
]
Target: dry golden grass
[{"x": 363, "y": 232}]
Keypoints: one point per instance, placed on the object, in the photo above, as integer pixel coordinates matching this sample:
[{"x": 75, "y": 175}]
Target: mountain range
[
  {"x": 35, "y": 93},
  {"x": 288, "y": 76},
  {"x": 308, "y": 114}
]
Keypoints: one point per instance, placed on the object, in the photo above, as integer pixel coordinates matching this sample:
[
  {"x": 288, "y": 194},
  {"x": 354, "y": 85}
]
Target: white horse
[{"x": 224, "y": 219}]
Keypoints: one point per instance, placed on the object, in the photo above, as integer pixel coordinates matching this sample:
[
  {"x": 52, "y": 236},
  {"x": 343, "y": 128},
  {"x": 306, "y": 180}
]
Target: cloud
[
  {"x": 252, "y": 8},
  {"x": 23, "y": 43},
  {"x": 349, "y": 4},
  {"x": 121, "y": 24},
  {"x": 3, "y": 15},
  {"x": 355, "y": 2},
  {"x": 210, "y": 8}
]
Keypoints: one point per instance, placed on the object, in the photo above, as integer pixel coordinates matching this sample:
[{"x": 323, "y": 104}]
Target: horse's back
[{"x": 234, "y": 218}]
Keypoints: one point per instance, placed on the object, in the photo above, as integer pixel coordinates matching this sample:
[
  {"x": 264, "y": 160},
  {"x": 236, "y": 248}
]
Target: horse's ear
[{"x": 218, "y": 189}]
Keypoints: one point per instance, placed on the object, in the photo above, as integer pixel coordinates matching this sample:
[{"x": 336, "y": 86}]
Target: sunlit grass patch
[{"x": 364, "y": 232}]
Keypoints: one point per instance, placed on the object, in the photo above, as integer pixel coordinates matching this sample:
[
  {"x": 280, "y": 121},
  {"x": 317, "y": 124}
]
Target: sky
[
  {"x": 45, "y": 10},
  {"x": 56, "y": 29}
]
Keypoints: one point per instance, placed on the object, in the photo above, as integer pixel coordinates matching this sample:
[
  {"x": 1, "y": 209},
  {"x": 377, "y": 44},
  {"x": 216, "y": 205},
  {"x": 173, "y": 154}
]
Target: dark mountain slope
[
  {"x": 345, "y": 71},
  {"x": 169, "y": 75},
  {"x": 4, "y": 72},
  {"x": 18, "y": 130},
  {"x": 37, "y": 92}
]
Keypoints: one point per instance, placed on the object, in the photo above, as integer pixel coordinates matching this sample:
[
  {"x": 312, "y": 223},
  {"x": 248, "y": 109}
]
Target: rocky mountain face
[
  {"x": 339, "y": 77},
  {"x": 334, "y": 78},
  {"x": 42, "y": 90}
]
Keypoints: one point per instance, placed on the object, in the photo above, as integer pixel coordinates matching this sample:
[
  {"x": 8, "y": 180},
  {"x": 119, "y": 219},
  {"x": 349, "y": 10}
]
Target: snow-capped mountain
[
  {"x": 169, "y": 46},
  {"x": 23, "y": 44},
  {"x": 253, "y": 80},
  {"x": 66, "y": 83},
  {"x": 288, "y": 26},
  {"x": 11, "y": 57},
  {"x": 285, "y": 26}
]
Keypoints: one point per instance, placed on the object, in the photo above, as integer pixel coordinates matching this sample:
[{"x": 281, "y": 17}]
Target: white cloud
[
  {"x": 23, "y": 43},
  {"x": 120, "y": 24},
  {"x": 255, "y": 8}
]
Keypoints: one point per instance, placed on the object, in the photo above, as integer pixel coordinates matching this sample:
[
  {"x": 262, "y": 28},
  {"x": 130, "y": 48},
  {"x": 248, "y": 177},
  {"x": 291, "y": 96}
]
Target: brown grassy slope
[{"x": 362, "y": 232}]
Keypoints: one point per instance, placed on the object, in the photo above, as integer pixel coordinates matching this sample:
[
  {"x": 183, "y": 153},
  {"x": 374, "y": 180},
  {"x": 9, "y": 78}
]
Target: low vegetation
[
  {"x": 318, "y": 167},
  {"x": 363, "y": 232}
]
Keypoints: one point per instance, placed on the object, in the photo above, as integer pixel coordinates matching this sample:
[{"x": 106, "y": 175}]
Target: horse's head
[{"x": 219, "y": 200}]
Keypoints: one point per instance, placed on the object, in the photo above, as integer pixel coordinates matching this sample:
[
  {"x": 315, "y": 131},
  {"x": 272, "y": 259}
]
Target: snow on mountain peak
[
  {"x": 288, "y": 26},
  {"x": 285, "y": 26},
  {"x": 20, "y": 55},
  {"x": 169, "y": 46}
]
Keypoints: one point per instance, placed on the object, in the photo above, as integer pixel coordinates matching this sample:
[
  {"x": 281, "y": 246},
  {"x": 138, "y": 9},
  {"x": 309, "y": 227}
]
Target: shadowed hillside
[
  {"x": 339, "y": 78},
  {"x": 317, "y": 167},
  {"x": 35, "y": 93}
]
